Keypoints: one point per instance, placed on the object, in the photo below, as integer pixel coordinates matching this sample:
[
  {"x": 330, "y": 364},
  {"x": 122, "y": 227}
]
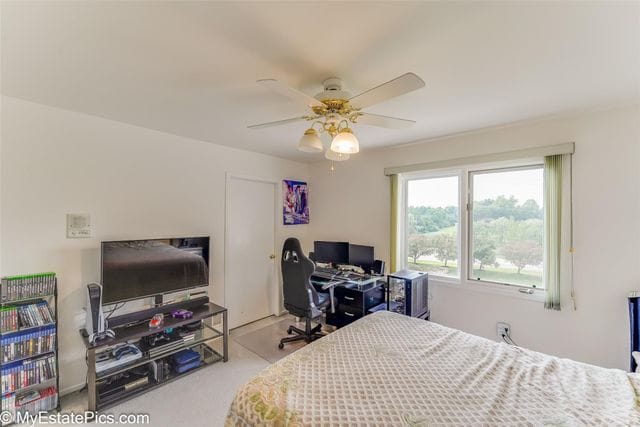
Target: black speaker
[
  {"x": 312, "y": 256},
  {"x": 378, "y": 266}
]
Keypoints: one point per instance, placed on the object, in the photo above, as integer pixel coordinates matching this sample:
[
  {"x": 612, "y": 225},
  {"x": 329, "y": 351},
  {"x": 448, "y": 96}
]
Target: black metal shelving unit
[
  {"x": 204, "y": 337},
  {"x": 49, "y": 298}
]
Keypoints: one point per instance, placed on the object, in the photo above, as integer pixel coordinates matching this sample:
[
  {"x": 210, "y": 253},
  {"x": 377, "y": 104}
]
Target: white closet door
[{"x": 250, "y": 288}]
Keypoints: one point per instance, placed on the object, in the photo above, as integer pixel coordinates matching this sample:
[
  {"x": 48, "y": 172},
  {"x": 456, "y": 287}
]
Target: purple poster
[{"x": 295, "y": 202}]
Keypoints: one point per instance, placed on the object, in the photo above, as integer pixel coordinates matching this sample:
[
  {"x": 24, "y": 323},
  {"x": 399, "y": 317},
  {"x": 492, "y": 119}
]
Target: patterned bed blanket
[{"x": 387, "y": 369}]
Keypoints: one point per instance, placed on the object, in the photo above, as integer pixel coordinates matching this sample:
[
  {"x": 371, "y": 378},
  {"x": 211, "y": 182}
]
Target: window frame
[
  {"x": 471, "y": 172},
  {"x": 464, "y": 224},
  {"x": 417, "y": 176}
]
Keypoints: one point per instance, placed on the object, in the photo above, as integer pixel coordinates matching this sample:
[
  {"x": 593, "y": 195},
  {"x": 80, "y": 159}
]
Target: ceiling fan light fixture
[
  {"x": 336, "y": 157},
  {"x": 345, "y": 142},
  {"x": 334, "y": 109},
  {"x": 310, "y": 142}
]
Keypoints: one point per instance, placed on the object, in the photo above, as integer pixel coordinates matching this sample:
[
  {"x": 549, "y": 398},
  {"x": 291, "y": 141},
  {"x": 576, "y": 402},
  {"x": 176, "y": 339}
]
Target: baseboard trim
[{"x": 71, "y": 389}]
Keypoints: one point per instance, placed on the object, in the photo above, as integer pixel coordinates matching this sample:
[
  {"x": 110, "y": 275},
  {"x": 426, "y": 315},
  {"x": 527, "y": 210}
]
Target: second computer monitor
[
  {"x": 343, "y": 253},
  {"x": 361, "y": 255},
  {"x": 331, "y": 252}
]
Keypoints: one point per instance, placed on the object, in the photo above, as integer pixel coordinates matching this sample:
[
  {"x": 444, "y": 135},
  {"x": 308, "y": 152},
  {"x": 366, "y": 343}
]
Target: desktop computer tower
[{"x": 408, "y": 293}]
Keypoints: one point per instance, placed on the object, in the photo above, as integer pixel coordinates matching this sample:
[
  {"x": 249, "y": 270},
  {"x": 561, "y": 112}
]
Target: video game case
[
  {"x": 14, "y": 318},
  {"x": 30, "y": 402},
  {"x": 27, "y": 344},
  {"x": 15, "y": 288},
  {"x": 17, "y": 375}
]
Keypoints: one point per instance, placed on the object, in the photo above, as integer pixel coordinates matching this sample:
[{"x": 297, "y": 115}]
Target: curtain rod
[{"x": 548, "y": 150}]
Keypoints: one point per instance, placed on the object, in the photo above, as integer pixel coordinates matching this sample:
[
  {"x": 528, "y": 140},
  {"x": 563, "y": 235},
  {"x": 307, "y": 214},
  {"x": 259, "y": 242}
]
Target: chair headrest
[{"x": 292, "y": 244}]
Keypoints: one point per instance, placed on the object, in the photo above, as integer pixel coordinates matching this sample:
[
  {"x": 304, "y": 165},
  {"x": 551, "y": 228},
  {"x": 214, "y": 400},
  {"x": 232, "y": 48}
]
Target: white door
[{"x": 250, "y": 287}]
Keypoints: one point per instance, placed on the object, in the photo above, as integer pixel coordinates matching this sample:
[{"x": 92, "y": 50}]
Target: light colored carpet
[{"x": 264, "y": 342}]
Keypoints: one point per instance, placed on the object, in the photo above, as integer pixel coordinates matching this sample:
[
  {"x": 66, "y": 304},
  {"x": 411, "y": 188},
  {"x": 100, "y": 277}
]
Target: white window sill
[{"x": 487, "y": 288}]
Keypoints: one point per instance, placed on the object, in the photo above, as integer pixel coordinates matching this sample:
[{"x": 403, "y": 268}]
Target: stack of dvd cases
[
  {"x": 14, "y": 318},
  {"x": 16, "y": 288},
  {"x": 25, "y": 373},
  {"x": 28, "y": 344}
]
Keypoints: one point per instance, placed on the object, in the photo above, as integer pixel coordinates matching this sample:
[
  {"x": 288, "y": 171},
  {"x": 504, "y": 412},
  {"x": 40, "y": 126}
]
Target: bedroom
[{"x": 136, "y": 114}]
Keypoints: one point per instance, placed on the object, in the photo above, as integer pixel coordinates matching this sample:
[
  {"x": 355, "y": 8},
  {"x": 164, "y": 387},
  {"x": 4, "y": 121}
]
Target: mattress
[{"x": 387, "y": 369}]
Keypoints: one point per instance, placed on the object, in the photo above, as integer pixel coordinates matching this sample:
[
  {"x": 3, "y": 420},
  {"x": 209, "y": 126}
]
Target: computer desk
[{"x": 355, "y": 295}]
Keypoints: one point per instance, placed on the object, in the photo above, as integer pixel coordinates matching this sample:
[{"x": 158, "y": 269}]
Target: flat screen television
[{"x": 134, "y": 269}]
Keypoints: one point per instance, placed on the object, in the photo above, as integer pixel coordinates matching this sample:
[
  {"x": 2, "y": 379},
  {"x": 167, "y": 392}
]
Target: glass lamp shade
[
  {"x": 310, "y": 142},
  {"x": 336, "y": 157},
  {"x": 345, "y": 142}
]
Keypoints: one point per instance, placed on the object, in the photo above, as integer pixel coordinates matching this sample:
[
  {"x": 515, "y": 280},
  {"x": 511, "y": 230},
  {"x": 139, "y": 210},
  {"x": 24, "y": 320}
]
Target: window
[
  {"x": 432, "y": 225},
  {"x": 476, "y": 224},
  {"x": 506, "y": 230}
]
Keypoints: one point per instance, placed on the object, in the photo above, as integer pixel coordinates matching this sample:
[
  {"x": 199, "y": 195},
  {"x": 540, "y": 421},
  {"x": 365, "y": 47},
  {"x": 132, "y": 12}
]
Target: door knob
[{"x": 272, "y": 256}]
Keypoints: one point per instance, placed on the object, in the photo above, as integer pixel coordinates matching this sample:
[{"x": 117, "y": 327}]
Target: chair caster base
[{"x": 308, "y": 335}]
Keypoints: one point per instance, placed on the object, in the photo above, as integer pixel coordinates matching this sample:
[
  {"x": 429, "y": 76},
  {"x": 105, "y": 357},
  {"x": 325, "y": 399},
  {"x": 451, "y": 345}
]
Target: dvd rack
[{"x": 29, "y": 344}]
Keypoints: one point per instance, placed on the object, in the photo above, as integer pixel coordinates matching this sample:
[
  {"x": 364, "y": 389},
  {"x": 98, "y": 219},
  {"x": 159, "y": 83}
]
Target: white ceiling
[{"x": 189, "y": 68}]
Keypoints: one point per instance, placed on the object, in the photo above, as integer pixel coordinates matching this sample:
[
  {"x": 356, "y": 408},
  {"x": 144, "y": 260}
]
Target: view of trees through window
[
  {"x": 432, "y": 225},
  {"x": 506, "y": 226}
]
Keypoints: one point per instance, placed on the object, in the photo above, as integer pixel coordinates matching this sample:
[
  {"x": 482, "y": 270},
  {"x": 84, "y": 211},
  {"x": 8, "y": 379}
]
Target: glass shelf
[
  {"x": 208, "y": 357},
  {"x": 202, "y": 335}
]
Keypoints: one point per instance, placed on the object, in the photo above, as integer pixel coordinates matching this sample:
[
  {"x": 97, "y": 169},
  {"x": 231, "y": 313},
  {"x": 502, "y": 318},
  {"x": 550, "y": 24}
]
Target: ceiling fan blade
[
  {"x": 289, "y": 92},
  {"x": 276, "y": 123},
  {"x": 384, "y": 121},
  {"x": 399, "y": 86}
]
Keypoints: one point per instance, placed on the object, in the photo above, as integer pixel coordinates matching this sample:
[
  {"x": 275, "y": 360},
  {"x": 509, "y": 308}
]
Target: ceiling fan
[{"x": 333, "y": 111}]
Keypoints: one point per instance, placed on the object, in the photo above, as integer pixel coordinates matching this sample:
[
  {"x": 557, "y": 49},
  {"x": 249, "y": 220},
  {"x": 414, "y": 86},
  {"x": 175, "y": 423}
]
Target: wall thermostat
[{"x": 78, "y": 226}]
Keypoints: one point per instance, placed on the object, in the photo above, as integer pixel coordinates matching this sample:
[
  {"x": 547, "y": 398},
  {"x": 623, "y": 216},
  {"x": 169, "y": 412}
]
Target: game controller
[
  {"x": 120, "y": 351},
  {"x": 153, "y": 340},
  {"x": 182, "y": 314}
]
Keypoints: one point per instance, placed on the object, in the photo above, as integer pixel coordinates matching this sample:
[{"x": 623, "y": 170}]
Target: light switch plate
[{"x": 78, "y": 226}]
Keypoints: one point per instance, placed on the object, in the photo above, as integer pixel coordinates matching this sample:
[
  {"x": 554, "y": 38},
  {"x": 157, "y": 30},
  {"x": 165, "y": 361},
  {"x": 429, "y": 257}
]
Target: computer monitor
[
  {"x": 331, "y": 252},
  {"x": 361, "y": 255}
]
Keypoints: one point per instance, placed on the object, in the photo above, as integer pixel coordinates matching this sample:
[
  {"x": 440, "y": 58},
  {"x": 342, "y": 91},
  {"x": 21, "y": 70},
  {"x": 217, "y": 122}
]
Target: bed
[{"x": 387, "y": 369}]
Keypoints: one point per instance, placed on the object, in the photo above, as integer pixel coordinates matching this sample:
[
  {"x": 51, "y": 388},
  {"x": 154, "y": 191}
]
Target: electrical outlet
[{"x": 502, "y": 329}]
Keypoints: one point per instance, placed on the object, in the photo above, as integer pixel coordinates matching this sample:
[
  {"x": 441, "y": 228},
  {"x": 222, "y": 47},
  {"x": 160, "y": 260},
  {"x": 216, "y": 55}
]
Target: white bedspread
[{"x": 388, "y": 369}]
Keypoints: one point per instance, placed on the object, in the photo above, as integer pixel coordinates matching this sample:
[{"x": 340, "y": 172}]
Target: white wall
[
  {"x": 135, "y": 183},
  {"x": 353, "y": 204}
]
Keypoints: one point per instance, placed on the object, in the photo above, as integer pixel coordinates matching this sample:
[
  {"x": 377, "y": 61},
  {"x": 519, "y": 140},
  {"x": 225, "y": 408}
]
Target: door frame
[{"x": 277, "y": 291}]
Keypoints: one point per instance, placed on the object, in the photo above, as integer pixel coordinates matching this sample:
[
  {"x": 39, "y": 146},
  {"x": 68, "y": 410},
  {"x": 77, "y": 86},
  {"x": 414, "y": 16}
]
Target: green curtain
[
  {"x": 553, "y": 229},
  {"x": 393, "y": 246}
]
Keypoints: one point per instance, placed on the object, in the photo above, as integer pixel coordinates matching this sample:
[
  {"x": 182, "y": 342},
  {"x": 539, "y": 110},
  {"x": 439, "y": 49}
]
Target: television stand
[{"x": 130, "y": 380}]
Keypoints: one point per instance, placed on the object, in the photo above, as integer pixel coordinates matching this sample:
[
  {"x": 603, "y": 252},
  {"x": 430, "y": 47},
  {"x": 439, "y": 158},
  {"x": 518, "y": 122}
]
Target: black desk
[{"x": 354, "y": 296}]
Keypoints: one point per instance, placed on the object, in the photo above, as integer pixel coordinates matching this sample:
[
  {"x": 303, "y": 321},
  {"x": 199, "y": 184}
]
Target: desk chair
[{"x": 300, "y": 298}]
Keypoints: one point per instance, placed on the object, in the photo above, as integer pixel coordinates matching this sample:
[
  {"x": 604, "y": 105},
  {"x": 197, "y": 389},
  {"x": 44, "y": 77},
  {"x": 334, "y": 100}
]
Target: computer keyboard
[
  {"x": 334, "y": 273},
  {"x": 326, "y": 272}
]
